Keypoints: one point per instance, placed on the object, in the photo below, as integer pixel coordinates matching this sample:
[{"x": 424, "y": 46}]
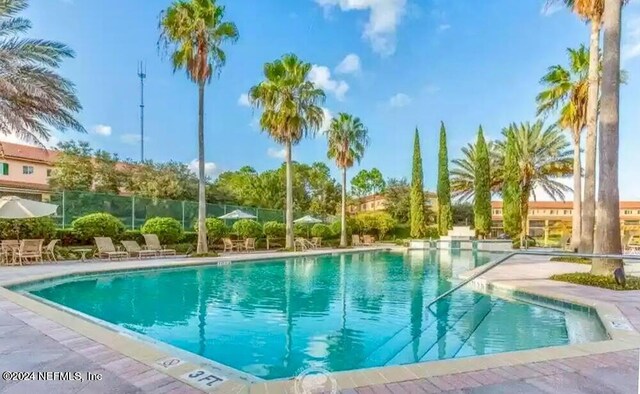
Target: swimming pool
[{"x": 274, "y": 318}]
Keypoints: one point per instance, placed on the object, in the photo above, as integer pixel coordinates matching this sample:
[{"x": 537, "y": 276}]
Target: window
[
  {"x": 49, "y": 171},
  {"x": 4, "y": 169},
  {"x": 552, "y": 212},
  {"x": 628, "y": 212},
  {"x": 27, "y": 170}
]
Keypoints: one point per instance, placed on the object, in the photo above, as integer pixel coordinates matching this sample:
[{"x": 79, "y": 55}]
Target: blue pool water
[{"x": 274, "y": 318}]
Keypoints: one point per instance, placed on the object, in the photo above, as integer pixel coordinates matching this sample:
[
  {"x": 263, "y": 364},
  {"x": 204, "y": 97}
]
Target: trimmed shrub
[
  {"x": 247, "y": 228},
  {"x": 274, "y": 229},
  {"x": 132, "y": 235},
  {"x": 68, "y": 237},
  {"x": 168, "y": 230},
  {"x": 98, "y": 225},
  {"x": 336, "y": 228},
  {"x": 401, "y": 231},
  {"x": 33, "y": 228},
  {"x": 432, "y": 232},
  {"x": 216, "y": 230},
  {"x": 321, "y": 230},
  {"x": 189, "y": 237},
  {"x": 375, "y": 223},
  {"x": 301, "y": 230},
  {"x": 607, "y": 282}
]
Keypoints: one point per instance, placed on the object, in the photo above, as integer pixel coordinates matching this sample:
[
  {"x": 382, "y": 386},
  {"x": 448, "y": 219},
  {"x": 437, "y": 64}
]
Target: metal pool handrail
[{"x": 531, "y": 253}]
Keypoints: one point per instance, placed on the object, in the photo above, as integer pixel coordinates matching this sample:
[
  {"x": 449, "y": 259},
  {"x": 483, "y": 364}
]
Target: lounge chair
[
  {"x": 30, "y": 250},
  {"x": 367, "y": 240},
  {"x": 355, "y": 240},
  {"x": 316, "y": 242},
  {"x": 250, "y": 244},
  {"x": 153, "y": 243},
  {"x": 135, "y": 250},
  {"x": 228, "y": 244},
  {"x": 107, "y": 250},
  {"x": 50, "y": 251},
  {"x": 628, "y": 245}
]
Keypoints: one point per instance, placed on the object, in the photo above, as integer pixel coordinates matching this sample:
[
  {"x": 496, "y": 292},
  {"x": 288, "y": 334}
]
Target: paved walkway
[{"x": 29, "y": 342}]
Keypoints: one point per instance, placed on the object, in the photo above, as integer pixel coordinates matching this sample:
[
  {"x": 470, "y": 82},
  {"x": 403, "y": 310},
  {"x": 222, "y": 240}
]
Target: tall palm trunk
[
  {"x": 202, "y": 204},
  {"x": 289, "y": 207},
  {"x": 524, "y": 214},
  {"x": 343, "y": 219},
  {"x": 607, "y": 235},
  {"x": 589, "y": 207},
  {"x": 576, "y": 223}
]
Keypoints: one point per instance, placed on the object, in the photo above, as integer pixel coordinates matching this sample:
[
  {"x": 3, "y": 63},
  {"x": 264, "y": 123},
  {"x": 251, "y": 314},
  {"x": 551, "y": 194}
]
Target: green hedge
[
  {"x": 98, "y": 225},
  {"x": 168, "y": 230},
  {"x": 189, "y": 237},
  {"x": 216, "y": 230},
  {"x": 274, "y": 229},
  {"x": 321, "y": 230},
  {"x": 33, "y": 228},
  {"x": 247, "y": 228}
]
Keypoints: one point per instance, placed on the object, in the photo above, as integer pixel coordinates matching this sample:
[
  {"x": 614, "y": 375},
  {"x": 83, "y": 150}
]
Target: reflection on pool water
[{"x": 339, "y": 312}]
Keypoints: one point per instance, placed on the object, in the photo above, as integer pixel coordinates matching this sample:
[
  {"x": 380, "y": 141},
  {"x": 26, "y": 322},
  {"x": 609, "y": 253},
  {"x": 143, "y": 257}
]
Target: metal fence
[{"x": 135, "y": 210}]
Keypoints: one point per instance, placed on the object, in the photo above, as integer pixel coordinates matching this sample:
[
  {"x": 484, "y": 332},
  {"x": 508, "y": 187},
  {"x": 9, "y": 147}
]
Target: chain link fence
[{"x": 135, "y": 210}]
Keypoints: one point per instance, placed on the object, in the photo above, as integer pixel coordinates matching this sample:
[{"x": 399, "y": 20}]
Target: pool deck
[{"x": 66, "y": 342}]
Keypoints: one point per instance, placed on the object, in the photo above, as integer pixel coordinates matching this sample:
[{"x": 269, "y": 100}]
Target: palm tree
[
  {"x": 567, "y": 90},
  {"x": 196, "y": 30},
  {"x": 33, "y": 98},
  {"x": 543, "y": 156},
  {"x": 347, "y": 138},
  {"x": 291, "y": 110},
  {"x": 607, "y": 237},
  {"x": 463, "y": 171},
  {"x": 591, "y": 11}
]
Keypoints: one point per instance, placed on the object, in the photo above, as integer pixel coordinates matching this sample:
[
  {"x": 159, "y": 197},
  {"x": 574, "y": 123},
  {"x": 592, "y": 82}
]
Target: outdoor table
[{"x": 83, "y": 252}]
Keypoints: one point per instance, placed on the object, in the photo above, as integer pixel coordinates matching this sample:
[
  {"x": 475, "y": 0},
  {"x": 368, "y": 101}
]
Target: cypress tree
[
  {"x": 417, "y": 192},
  {"x": 445, "y": 216},
  {"x": 482, "y": 186},
  {"x": 511, "y": 189}
]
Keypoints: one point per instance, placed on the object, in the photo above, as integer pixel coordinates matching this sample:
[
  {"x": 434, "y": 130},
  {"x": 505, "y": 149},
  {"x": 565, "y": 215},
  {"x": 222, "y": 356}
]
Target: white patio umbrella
[
  {"x": 308, "y": 220},
  {"x": 12, "y": 207},
  {"x": 237, "y": 214}
]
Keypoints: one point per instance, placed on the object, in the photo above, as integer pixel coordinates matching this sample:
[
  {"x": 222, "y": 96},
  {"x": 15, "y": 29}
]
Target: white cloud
[
  {"x": 384, "y": 18},
  {"x": 631, "y": 47},
  {"x": 326, "y": 121},
  {"x": 131, "y": 139},
  {"x": 243, "y": 100},
  {"x": 321, "y": 77},
  {"x": 101, "y": 129},
  {"x": 399, "y": 100},
  {"x": 550, "y": 8},
  {"x": 277, "y": 153},
  {"x": 444, "y": 27},
  {"x": 349, "y": 65},
  {"x": 209, "y": 167}
]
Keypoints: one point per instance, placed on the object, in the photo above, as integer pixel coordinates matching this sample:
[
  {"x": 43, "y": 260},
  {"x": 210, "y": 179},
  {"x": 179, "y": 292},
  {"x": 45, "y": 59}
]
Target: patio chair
[
  {"x": 153, "y": 243},
  {"x": 106, "y": 249},
  {"x": 30, "y": 250},
  {"x": 228, "y": 244},
  {"x": 564, "y": 241},
  {"x": 9, "y": 249},
  {"x": 301, "y": 243},
  {"x": 367, "y": 240},
  {"x": 355, "y": 240},
  {"x": 49, "y": 251},
  {"x": 135, "y": 250},
  {"x": 250, "y": 244},
  {"x": 316, "y": 242}
]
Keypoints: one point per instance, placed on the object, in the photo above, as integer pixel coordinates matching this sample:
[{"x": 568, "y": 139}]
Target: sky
[{"x": 396, "y": 64}]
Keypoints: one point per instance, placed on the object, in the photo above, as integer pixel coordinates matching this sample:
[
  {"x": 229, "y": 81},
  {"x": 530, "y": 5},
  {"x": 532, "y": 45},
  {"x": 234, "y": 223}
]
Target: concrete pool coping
[{"x": 623, "y": 335}]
